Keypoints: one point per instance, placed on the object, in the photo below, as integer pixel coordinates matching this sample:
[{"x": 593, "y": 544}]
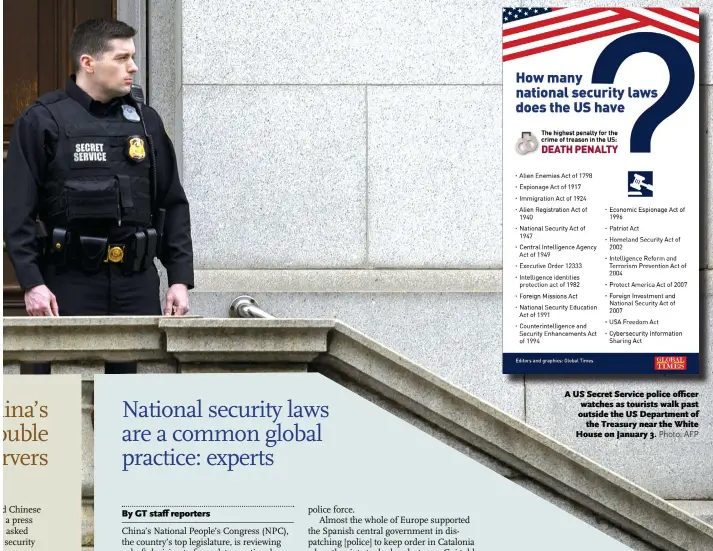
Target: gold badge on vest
[{"x": 135, "y": 149}]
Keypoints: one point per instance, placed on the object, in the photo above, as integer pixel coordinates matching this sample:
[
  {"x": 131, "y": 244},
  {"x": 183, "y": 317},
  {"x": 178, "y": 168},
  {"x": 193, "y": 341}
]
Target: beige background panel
[{"x": 56, "y": 486}]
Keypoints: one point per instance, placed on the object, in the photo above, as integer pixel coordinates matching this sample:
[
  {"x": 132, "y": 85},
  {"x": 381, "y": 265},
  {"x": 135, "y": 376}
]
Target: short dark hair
[{"x": 92, "y": 37}]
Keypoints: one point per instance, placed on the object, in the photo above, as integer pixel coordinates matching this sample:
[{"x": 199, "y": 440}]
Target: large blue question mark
[{"x": 681, "y": 79}]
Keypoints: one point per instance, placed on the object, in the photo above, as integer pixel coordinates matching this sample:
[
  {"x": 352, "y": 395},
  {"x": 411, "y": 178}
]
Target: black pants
[{"x": 108, "y": 292}]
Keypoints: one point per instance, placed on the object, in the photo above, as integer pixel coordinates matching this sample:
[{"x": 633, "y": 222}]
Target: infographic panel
[{"x": 600, "y": 190}]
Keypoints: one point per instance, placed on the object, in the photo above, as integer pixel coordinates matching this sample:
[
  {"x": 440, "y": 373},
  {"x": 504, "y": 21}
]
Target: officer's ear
[{"x": 86, "y": 63}]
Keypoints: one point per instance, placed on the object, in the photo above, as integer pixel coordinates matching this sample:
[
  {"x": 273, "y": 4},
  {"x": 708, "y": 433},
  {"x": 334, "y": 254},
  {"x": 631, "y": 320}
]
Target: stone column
[{"x": 87, "y": 370}]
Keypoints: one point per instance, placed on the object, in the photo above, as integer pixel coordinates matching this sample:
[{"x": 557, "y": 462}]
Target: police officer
[{"x": 96, "y": 167}]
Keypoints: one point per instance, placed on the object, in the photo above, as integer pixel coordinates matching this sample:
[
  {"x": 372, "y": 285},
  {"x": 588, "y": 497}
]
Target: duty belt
[{"x": 134, "y": 254}]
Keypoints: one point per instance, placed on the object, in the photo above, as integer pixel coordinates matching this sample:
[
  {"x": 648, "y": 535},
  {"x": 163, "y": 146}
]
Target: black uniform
[{"x": 85, "y": 168}]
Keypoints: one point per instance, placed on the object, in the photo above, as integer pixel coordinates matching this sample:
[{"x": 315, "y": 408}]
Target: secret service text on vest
[{"x": 89, "y": 152}]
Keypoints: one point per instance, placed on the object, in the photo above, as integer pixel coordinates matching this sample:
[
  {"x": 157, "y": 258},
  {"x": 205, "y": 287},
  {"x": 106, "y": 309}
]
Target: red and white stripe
[{"x": 568, "y": 26}]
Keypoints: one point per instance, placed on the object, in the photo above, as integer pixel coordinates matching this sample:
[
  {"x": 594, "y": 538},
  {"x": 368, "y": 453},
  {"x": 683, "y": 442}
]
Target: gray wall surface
[{"x": 343, "y": 159}]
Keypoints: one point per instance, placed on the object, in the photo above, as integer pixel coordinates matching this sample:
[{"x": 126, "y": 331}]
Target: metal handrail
[{"x": 246, "y": 307}]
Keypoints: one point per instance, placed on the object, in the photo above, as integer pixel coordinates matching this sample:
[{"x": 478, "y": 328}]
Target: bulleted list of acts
[{"x": 592, "y": 267}]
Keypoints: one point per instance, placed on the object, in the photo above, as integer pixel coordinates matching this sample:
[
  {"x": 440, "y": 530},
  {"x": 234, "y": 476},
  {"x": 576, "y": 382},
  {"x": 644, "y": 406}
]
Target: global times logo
[{"x": 641, "y": 183}]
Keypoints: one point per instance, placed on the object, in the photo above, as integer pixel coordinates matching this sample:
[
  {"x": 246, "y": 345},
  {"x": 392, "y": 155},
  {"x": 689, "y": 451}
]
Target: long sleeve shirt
[{"x": 33, "y": 146}]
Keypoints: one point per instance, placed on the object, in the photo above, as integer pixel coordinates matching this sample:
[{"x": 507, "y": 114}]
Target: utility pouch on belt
[
  {"x": 92, "y": 199},
  {"x": 139, "y": 251},
  {"x": 144, "y": 251},
  {"x": 93, "y": 250},
  {"x": 59, "y": 246}
]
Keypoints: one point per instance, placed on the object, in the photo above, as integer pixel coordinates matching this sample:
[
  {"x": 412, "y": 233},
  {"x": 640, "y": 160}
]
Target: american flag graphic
[{"x": 530, "y": 31}]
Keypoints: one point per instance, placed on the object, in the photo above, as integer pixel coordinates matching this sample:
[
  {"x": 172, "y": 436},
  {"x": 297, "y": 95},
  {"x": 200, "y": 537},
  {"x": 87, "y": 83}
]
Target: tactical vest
[{"x": 100, "y": 174}]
